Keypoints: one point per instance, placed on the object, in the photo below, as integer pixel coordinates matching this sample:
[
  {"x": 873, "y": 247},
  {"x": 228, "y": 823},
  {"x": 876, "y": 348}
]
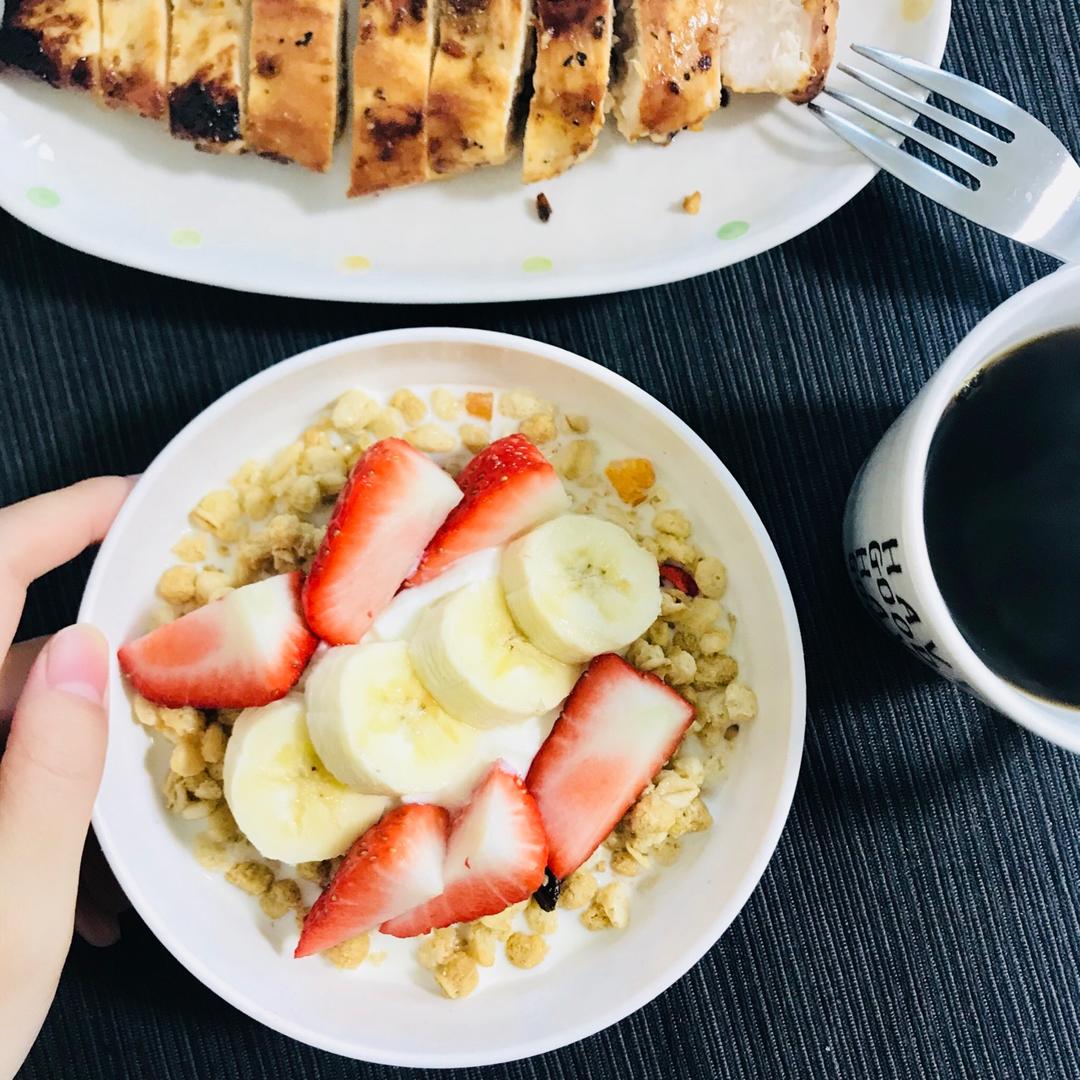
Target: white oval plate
[
  {"x": 392, "y": 1013},
  {"x": 118, "y": 187}
]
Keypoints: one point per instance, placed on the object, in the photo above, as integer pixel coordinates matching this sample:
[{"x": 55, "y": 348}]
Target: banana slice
[
  {"x": 579, "y": 586},
  {"x": 478, "y": 666},
  {"x": 377, "y": 728},
  {"x": 281, "y": 795}
]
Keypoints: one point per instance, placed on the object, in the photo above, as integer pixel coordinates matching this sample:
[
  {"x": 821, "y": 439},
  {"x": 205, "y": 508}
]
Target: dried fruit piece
[
  {"x": 631, "y": 478},
  {"x": 479, "y": 405},
  {"x": 547, "y": 896},
  {"x": 678, "y": 577}
]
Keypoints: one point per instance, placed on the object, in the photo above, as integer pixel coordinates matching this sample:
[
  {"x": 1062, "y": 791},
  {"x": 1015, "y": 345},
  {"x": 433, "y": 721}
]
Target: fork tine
[
  {"x": 931, "y": 183},
  {"x": 978, "y": 99},
  {"x": 957, "y": 157},
  {"x": 969, "y": 132}
]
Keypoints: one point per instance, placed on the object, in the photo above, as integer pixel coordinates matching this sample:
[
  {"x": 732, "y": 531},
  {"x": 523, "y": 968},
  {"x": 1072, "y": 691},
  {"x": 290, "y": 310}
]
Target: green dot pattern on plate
[
  {"x": 536, "y": 264},
  {"x": 916, "y": 10},
  {"x": 732, "y": 230},
  {"x": 186, "y": 238},
  {"x": 44, "y": 197}
]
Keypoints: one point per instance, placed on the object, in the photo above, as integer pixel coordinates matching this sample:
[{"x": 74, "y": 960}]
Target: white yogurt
[{"x": 399, "y": 620}]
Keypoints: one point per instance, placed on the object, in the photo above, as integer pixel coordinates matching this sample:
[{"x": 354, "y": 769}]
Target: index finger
[{"x": 44, "y": 532}]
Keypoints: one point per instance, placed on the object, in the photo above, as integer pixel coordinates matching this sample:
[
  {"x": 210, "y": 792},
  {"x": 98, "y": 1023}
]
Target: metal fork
[{"x": 1030, "y": 191}]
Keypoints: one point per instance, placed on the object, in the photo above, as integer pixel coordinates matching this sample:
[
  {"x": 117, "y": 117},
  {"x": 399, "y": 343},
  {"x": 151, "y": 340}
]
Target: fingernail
[{"x": 77, "y": 662}]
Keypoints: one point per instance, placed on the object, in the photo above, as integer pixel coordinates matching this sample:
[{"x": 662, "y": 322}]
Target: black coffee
[{"x": 1002, "y": 515}]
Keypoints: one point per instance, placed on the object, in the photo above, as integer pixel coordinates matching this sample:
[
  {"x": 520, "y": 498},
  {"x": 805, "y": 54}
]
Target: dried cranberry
[{"x": 678, "y": 577}]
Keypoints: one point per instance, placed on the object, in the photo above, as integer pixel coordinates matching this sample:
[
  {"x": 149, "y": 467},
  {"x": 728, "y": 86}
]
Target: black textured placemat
[{"x": 920, "y": 917}]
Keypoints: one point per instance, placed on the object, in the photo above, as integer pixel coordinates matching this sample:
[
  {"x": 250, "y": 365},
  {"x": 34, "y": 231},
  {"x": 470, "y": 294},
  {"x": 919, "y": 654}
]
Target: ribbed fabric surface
[{"x": 920, "y": 917}]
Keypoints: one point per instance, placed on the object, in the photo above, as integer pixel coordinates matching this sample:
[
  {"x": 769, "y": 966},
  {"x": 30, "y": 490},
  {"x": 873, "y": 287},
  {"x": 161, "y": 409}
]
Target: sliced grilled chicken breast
[
  {"x": 206, "y": 73},
  {"x": 475, "y": 83},
  {"x": 294, "y": 81},
  {"x": 391, "y": 73},
  {"x": 135, "y": 55},
  {"x": 573, "y": 58},
  {"x": 669, "y": 75},
  {"x": 55, "y": 40},
  {"x": 778, "y": 46}
]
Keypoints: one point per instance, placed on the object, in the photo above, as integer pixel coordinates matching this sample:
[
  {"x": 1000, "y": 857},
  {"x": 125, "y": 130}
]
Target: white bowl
[{"x": 590, "y": 980}]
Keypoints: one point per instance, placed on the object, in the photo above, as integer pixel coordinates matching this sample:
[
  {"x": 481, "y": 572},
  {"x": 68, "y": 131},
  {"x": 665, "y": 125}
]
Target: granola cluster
[
  {"x": 455, "y": 954},
  {"x": 271, "y": 519}
]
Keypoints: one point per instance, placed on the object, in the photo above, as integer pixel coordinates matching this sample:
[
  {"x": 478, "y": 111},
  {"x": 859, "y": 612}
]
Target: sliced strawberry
[
  {"x": 394, "y": 501},
  {"x": 678, "y": 577},
  {"x": 248, "y": 648},
  {"x": 508, "y": 488},
  {"x": 617, "y": 728},
  {"x": 395, "y": 865},
  {"x": 495, "y": 857}
]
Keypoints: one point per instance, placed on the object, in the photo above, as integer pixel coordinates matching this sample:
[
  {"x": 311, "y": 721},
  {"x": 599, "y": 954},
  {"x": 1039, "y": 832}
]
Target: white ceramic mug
[{"x": 884, "y": 537}]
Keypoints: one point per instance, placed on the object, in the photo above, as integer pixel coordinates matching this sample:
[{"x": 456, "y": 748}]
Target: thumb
[
  {"x": 50, "y": 771},
  {"x": 49, "y": 776}
]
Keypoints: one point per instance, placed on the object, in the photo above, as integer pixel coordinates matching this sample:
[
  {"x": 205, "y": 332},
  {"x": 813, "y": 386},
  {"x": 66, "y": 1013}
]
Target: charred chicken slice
[
  {"x": 670, "y": 71},
  {"x": 435, "y": 84},
  {"x": 390, "y": 78},
  {"x": 475, "y": 83},
  {"x": 573, "y": 58},
  {"x": 135, "y": 55},
  {"x": 294, "y": 83},
  {"x": 206, "y": 73},
  {"x": 778, "y": 46},
  {"x": 58, "y": 41}
]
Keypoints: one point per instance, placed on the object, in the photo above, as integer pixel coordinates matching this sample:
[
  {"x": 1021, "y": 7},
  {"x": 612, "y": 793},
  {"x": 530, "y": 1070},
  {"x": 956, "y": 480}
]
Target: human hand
[{"x": 51, "y": 767}]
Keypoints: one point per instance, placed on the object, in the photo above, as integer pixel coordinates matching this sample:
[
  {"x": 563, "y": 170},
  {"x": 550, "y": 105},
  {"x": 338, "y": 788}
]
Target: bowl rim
[{"x": 679, "y": 964}]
